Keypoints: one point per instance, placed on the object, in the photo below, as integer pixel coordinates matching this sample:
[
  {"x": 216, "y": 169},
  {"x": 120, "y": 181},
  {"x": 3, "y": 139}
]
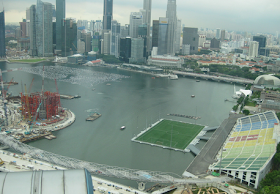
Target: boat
[
  {"x": 173, "y": 77},
  {"x": 197, "y": 80},
  {"x": 123, "y": 127},
  {"x": 108, "y": 84},
  {"x": 77, "y": 96},
  {"x": 192, "y": 96},
  {"x": 93, "y": 89}
]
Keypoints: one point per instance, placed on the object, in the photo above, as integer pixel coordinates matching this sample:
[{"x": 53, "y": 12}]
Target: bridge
[
  {"x": 215, "y": 78},
  {"x": 101, "y": 169}
]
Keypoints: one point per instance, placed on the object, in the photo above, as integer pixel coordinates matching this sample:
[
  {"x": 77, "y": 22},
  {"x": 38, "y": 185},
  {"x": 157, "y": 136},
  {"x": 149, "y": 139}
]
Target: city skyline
[{"x": 255, "y": 16}]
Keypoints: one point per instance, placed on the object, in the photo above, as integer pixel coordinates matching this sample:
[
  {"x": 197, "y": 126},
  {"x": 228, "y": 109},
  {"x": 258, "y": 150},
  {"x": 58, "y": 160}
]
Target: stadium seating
[{"x": 251, "y": 144}]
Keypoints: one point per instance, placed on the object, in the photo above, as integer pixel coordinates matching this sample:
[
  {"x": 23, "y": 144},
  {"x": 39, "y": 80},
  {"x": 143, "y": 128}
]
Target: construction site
[{"x": 33, "y": 116}]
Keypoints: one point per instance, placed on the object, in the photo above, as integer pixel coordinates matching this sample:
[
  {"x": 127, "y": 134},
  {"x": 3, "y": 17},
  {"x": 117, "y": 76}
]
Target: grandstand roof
[
  {"x": 267, "y": 80},
  {"x": 251, "y": 144}
]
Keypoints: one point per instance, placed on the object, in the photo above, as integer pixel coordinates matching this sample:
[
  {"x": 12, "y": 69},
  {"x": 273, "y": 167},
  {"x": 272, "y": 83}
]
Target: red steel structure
[{"x": 50, "y": 104}]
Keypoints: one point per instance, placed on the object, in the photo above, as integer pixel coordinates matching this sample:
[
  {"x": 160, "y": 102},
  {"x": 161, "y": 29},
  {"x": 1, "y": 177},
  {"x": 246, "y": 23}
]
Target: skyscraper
[
  {"x": 107, "y": 14},
  {"x": 2, "y": 35},
  {"x": 44, "y": 29},
  {"x": 136, "y": 19},
  {"x": 32, "y": 30},
  {"x": 147, "y": 6},
  {"x": 253, "y": 49},
  {"x": 137, "y": 45},
  {"x": 171, "y": 15},
  {"x": 178, "y": 37},
  {"x": 115, "y": 38},
  {"x": 223, "y": 35},
  {"x": 218, "y": 33},
  {"x": 69, "y": 40},
  {"x": 191, "y": 37},
  {"x": 262, "y": 43},
  {"x": 60, "y": 15},
  {"x": 142, "y": 33},
  {"x": 155, "y": 33},
  {"x": 125, "y": 49},
  {"x": 163, "y": 36}
]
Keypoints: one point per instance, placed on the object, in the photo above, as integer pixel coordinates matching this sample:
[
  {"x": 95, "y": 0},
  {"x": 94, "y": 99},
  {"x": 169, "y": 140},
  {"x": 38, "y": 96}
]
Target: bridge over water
[
  {"x": 215, "y": 78},
  {"x": 100, "y": 169}
]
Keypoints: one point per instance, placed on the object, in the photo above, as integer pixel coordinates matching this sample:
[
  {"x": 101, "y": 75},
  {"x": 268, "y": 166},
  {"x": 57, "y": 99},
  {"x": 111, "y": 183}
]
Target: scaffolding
[{"x": 50, "y": 104}]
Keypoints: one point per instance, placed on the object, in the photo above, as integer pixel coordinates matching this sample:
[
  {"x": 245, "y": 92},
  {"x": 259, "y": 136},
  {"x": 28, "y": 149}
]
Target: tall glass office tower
[
  {"x": 171, "y": 14},
  {"x": 107, "y": 14},
  {"x": 44, "y": 29},
  {"x": 60, "y": 15},
  {"x": 147, "y": 6},
  {"x": 2, "y": 35},
  {"x": 163, "y": 36}
]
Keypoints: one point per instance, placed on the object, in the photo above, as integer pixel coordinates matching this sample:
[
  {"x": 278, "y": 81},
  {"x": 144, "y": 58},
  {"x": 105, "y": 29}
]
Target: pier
[{"x": 215, "y": 78}]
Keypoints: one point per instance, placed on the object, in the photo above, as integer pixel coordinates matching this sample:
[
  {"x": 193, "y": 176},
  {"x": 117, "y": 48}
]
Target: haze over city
[{"x": 238, "y": 15}]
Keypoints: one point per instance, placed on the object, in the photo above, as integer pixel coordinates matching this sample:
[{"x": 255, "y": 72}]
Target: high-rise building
[
  {"x": 171, "y": 15},
  {"x": 106, "y": 43},
  {"x": 202, "y": 40},
  {"x": 22, "y": 28},
  {"x": 32, "y": 30},
  {"x": 91, "y": 25},
  {"x": 142, "y": 33},
  {"x": 262, "y": 43},
  {"x": 2, "y": 35},
  {"x": 85, "y": 24},
  {"x": 86, "y": 37},
  {"x": 147, "y": 6},
  {"x": 137, "y": 45},
  {"x": 125, "y": 31},
  {"x": 215, "y": 43},
  {"x": 253, "y": 49},
  {"x": 107, "y": 14},
  {"x": 155, "y": 33},
  {"x": 178, "y": 37},
  {"x": 95, "y": 42},
  {"x": 98, "y": 26},
  {"x": 60, "y": 16},
  {"x": 27, "y": 21},
  {"x": 218, "y": 33},
  {"x": 125, "y": 49},
  {"x": 115, "y": 38},
  {"x": 223, "y": 35},
  {"x": 69, "y": 40},
  {"x": 163, "y": 36},
  {"x": 191, "y": 37},
  {"x": 136, "y": 19},
  {"x": 44, "y": 29}
]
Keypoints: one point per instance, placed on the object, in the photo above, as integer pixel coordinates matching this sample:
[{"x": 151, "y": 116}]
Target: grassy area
[
  {"x": 172, "y": 134},
  {"x": 27, "y": 61}
]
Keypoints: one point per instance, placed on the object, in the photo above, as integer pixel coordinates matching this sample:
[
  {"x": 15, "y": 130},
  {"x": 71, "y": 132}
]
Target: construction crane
[
  {"x": 27, "y": 103},
  {"x": 30, "y": 86},
  {"x": 5, "y": 91},
  {"x": 34, "y": 120},
  {"x": 57, "y": 91}
]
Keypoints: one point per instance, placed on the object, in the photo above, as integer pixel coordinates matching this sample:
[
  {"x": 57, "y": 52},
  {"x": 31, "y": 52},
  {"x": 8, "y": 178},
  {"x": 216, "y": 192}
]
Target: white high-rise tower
[
  {"x": 171, "y": 14},
  {"x": 147, "y": 6}
]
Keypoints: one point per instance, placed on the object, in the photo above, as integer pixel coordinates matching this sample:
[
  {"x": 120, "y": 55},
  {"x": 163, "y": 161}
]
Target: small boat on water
[
  {"x": 197, "y": 80},
  {"x": 192, "y": 96},
  {"x": 93, "y": 89},
  {"x": 123, "y": 127},
  {"x": 77, "y": 96}
]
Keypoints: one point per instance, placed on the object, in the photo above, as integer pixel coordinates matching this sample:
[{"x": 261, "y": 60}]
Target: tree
[
  {"x": 271, "y": 179},
  {"x": 235, "y": 108},
  {"x": 271, "y": 190},
  {"x": 246, "y": 112}
]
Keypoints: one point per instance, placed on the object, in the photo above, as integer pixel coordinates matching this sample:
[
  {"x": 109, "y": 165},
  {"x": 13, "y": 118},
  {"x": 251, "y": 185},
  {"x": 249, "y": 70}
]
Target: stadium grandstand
[{"x": 247, "y": 153}]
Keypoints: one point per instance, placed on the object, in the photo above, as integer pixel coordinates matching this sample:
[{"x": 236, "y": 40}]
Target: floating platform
[
  {"x": 33, "y": 137},
  {"x": 93, "y": 117},
  {"x": 66, "y": 96}
]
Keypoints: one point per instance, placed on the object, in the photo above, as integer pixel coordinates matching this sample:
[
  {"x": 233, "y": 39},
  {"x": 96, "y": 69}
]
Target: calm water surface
[{"x": 134, "y": 102}]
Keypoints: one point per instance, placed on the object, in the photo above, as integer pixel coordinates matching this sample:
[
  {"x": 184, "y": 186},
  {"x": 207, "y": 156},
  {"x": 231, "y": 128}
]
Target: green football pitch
[{"x": 171, "y": 134}]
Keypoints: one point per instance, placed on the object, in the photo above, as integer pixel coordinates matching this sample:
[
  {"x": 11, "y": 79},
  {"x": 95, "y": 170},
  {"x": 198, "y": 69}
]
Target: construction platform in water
[{"x": 169, "y": 134}]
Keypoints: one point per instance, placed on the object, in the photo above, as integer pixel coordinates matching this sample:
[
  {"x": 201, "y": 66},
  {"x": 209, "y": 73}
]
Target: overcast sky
[{"x": 239, "y": 15}]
